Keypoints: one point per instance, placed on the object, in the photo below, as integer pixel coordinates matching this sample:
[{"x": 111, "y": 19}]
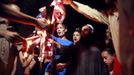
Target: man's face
[
  {"x": 85, "y": 31},
  {"x": 61, "y": 30}
]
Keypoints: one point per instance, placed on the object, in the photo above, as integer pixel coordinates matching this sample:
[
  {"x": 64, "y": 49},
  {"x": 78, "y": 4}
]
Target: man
[{"x": 108, "y": 17}]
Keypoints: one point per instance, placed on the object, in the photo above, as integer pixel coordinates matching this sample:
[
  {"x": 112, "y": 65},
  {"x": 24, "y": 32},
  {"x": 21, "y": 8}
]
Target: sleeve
[
  {"x": 54, "y": 37},
  {"x": 91, "y": 13}
]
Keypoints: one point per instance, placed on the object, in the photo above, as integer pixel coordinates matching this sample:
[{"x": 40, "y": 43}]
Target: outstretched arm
[
  {"x": 17, "y": 16},
  {"x": 87, "y": 11}
]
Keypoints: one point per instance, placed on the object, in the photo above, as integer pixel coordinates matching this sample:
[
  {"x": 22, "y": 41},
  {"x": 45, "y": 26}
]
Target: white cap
[{"x": 91, "y": 27}]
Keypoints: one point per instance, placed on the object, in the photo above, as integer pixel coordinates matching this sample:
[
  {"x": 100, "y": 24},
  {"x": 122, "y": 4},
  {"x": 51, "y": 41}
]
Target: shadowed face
[
  {"x": 85, "y": 31},
  {"x": 107, "y": 58}
]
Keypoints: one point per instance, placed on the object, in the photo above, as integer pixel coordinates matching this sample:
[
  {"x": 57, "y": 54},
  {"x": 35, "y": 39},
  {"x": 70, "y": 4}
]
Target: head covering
[{"x": 91, "y": 27}]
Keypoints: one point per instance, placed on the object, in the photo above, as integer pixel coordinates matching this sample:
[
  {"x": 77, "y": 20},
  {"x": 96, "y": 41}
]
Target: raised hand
[
  {"x": 43, "y": 23},
  {"x": 11, "y": 36},
  {"x": 60, "y": 66}
]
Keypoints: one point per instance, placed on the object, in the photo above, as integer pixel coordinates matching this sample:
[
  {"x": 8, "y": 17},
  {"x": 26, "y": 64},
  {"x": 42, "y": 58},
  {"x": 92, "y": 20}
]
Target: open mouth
[
  {"x": 75, "y": 39},
  {"x": 59, "y": 32}
]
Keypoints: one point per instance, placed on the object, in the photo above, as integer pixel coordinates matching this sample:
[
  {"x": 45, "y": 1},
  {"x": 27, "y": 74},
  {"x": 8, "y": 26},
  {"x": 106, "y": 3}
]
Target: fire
[
  {"x": 59, "y": 12},
  {"x": 29, "y": 43},
  {"x": 41, "y": 40},
  {"x": 25, "y": 54}
]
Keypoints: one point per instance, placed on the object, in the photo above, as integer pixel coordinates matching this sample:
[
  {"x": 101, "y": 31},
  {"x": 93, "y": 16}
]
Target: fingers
[
  {"x": 60, "y": 66},
  {"x": 17, "y": 36},
  {"x": 41, "y": 24},
  {"x": 14, "y": 37}
]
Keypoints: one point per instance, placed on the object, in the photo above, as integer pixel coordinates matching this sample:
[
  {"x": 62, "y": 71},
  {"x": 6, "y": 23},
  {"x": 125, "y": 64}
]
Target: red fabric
[
  {"x": 59, "y": 11},
  {"x": 117, "y": 67}
]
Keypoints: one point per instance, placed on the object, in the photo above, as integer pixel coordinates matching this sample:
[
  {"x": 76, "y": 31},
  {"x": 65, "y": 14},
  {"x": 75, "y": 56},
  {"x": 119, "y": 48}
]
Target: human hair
[
  {"x": 111, "y": 51},
  {"x": 62, "y": 25},
  {"x": 77, "y": 30}
]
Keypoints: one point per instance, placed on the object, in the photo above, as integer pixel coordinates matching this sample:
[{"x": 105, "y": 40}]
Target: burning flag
[
  {"x": 58, "y": 13},
  {"x": 41, "y": 40}
]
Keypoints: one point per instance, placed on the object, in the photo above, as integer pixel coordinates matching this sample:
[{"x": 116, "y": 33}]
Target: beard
[{"x": 87, "y": 40}]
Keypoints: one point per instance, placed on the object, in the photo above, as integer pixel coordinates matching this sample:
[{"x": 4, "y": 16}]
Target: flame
[
  {"x": 58, "y": 14},
  {"x": 41, "y": 40},
  {"x": 25, "y": 54},
  {"x": 48, "y": 21},
  {"x": 29, "y": 43}
]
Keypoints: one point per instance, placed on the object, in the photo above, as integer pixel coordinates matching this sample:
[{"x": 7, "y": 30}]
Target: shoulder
[{"x": 94, "y": 50}]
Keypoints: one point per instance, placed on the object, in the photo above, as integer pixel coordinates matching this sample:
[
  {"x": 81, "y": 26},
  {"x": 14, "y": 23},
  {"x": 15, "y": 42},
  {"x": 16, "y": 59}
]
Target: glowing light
[
  {"x": 29, "y": 43},
  {"x": 25, "y": 54},
  {"x": 48, "y": 21}
]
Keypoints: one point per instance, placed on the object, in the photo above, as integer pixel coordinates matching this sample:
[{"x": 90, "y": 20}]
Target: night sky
[{"x": 73, "y": 19}]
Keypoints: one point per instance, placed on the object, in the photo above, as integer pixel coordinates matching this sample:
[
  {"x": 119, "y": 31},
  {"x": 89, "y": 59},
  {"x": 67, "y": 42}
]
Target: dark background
[{"x": 72, "y": 20}]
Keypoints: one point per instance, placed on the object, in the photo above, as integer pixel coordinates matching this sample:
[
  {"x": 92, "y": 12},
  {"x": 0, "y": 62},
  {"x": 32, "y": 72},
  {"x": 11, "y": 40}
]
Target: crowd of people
[{"x": 46, "y": 53}]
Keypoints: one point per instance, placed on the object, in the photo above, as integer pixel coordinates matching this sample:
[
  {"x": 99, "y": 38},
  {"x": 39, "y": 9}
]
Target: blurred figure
[
  {"x": 7, "y": 37},
  {"x": 89, "y": 57},
  {"x": 108, "y": 57},
  {"x": 108, "y": 16},
  {"x": 11, "y": 12},
  {"x": 126, "y": 20},
  {"x": 108, "y": 39}
]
